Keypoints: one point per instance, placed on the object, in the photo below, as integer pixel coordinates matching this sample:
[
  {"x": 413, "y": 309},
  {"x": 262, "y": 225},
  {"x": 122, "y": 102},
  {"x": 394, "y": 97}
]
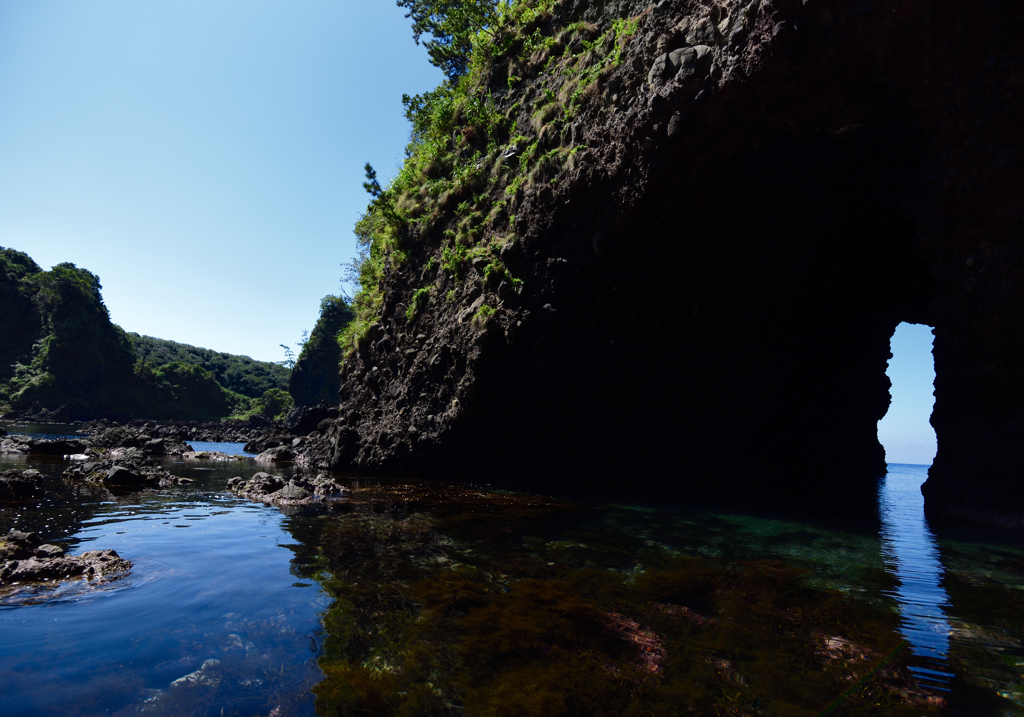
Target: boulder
[
  {"x": 55, "y": 447},
  {"x": 280, "y": 454},
  {"x": 123, "y": 469},
  {"x": 27, "y": 560},
  {"x": 124, "y": 477},
  {"x": 297, "y": 490}
]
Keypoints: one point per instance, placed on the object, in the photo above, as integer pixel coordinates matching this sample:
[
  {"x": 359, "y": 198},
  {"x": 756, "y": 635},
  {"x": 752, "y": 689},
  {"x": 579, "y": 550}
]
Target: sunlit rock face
[{"x": 759, "y": 194}]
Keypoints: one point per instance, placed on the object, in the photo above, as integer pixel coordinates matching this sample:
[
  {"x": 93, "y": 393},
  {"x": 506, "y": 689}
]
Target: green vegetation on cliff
[
  {"x": 63, "y": 350},
  {"x": 499, "y": 125},
  {"x": 240, "y": 374},
  {"x": 315, "y": 377}
]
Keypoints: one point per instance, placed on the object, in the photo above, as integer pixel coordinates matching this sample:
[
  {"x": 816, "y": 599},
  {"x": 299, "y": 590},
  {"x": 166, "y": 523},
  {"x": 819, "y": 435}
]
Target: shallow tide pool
[{"x": 427, "y": 598}]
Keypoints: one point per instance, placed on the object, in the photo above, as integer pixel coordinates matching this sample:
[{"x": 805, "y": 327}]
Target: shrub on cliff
[{"x": 477, "y": 144}]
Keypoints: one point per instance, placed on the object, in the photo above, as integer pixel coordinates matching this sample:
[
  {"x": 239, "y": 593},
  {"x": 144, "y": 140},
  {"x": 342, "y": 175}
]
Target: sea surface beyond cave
[{"x": 432, "y": 598}]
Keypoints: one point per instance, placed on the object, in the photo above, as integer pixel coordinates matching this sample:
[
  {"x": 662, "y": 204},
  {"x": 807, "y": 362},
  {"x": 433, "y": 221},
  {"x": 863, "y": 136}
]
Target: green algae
[{"x": 452, "y": 600}]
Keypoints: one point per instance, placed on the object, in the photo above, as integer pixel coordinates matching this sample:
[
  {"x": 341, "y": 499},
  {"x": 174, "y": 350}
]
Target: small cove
[{"x": 227, "y": 602}]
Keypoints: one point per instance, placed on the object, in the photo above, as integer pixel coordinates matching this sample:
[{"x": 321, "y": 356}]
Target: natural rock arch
[{"x": 711, "y": 284}]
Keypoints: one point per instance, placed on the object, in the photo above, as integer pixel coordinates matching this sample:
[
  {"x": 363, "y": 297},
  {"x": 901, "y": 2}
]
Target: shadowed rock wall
[{"x": 762, "y": 193}]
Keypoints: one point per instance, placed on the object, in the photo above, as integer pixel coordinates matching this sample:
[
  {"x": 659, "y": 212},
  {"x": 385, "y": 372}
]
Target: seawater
[
  {"x": 237, "y": 608},
  {"x": 231, "y": 449}
]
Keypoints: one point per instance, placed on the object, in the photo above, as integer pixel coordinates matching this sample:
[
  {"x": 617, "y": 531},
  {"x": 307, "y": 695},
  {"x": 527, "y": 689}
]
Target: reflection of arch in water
[{"x": 911, "y": 554}]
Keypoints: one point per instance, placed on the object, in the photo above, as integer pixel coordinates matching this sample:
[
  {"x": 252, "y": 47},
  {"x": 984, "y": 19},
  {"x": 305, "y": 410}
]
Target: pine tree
[{"x": 451, "y": 25}]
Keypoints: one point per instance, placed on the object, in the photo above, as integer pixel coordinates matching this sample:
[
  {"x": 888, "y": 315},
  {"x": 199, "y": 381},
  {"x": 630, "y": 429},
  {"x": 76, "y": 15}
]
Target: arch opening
[
  {"x": 905, "y": 431},
  {"x": 731, "y": 337}
]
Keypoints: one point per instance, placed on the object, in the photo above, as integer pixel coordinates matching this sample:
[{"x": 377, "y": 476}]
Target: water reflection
[{"x": 911, "y": 554}]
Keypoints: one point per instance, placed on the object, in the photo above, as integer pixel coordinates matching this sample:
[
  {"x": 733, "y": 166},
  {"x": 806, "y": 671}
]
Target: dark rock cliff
[{"x": 748, "y": 200}]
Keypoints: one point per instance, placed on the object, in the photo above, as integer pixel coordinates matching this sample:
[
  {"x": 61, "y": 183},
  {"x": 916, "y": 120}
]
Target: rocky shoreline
[
  {"x": 275, "y": 442},
  {"x": 121, "y": 459},
  {"x": 27, "y": 560}
]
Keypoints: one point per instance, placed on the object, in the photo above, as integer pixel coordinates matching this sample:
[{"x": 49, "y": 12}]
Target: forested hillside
[
  {"x": 61, "y": 351},
  {"x": 240, "y": 374}
]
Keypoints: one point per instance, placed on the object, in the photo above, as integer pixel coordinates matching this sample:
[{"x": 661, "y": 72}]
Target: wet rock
[
  {"x": 211, "y": 456},
  {"x": 12, "y": 446},
  {"x": 166, "y": 447},
  {"x": 297, "y": 490},
  {"x": 270, "y": 439},
  {"x": 17, "y": 545},
  {"x": 138, "y": 433},
  {"x": 123, "y": 469},
  {"x": 118, "y": 437},
  {"x": 54, "y": 447},
  {"x": 293, "y": 492},
  {"x": 25, "y": 560},
  {"x": 121, "y": 476},
  {"x": 20, "y": 486}
]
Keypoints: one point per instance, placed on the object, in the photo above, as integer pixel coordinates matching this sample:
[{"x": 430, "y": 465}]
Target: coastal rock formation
[
  {"x": 688, "y": 283},
  {"x": 278, "y": 490},
  {"x": 123, "y": 469},
  {"x": 25, "y": 559}
]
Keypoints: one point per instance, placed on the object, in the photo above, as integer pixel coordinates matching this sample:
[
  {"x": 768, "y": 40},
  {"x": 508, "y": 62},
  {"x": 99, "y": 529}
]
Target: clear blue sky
[
  {"x": 905, "y": 432},
  {"x": 205, "y": 159}
]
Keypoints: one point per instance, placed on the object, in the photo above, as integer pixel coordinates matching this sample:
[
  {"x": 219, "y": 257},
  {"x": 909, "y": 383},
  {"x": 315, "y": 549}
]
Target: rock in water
[
  {"x": 20, "y": 486},
  {"x": 27, "y": 560}
]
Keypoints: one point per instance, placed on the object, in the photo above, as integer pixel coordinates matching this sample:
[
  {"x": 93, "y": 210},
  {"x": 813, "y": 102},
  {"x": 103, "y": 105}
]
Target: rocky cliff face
[{"x": 683, "y": 273}]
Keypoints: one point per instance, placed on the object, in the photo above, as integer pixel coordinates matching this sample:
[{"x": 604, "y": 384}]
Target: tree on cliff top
[{"x": 451, "y": 25}]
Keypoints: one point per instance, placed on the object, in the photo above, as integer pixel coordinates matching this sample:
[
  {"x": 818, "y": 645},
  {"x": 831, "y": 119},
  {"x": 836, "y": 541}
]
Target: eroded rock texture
[{"x": 760, "y": 193}]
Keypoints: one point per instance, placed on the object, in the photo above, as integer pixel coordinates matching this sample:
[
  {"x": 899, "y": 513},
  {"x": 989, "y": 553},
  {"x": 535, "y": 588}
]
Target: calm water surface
[{"x": 223, "y": 610}]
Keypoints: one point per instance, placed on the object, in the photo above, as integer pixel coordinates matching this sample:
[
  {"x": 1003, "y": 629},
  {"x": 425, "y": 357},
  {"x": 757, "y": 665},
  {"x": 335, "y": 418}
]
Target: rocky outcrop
[
  {"x": 739, "y": 210},
  {"x": 25, "y": 559},
  {"x": 137, "y": 432},
  {"x": 277, "y": 490},
  {"x": 21, "y": 486},
  {"x": 123, "y": 469}
]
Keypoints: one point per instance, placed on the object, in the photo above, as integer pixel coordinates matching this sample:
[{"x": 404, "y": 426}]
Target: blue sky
[
  {"x": 205, "y": 159},
  {"x": 905, "y": 432}
]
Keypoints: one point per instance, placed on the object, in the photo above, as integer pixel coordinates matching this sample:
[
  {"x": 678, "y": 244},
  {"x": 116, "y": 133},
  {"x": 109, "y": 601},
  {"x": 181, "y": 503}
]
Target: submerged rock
[
  {"x": 20, "y": 486},
  {"x": 277, "y": 490},
  {"x": 27, "y": 560},
  {"x": 203, "y": 676}
]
